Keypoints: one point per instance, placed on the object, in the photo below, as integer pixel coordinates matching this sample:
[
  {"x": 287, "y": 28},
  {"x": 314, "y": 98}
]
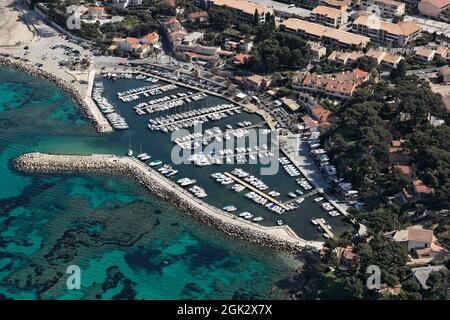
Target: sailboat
[
  {"x": 141, "y": 154},
  {"x": 130, "y": 151}
]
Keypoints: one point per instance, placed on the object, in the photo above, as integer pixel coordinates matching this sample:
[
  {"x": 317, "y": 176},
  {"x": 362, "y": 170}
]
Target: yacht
[
  {"x": 155, "y": 163},
  {"x": 229, "y": 208},
  {"x": 318, "y": 199}
]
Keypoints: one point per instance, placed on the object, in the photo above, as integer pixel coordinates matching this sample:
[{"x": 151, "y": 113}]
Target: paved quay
[{"x": 279, "y": 237}]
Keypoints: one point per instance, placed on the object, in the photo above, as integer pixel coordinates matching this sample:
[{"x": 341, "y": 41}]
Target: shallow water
[{"x": 127, "y": 244}]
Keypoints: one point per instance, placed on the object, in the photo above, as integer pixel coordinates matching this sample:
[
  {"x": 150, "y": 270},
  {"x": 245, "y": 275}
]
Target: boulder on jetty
[{"x": 276, "y": 237}]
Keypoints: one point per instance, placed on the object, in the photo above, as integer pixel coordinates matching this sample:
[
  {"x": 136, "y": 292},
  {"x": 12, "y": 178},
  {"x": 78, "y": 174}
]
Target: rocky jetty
[
  {"x": 281, "y": 238},
  {"x": 100, "y": 126}
]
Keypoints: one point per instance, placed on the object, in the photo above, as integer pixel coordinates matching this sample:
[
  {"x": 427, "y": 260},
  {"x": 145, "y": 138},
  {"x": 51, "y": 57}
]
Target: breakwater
[
  {"x": 94, "y": 116},
  {"x": 282, "y": 238}
]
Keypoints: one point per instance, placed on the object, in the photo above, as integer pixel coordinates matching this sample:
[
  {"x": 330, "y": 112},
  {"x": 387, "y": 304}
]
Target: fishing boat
[
  {"x": 155, "y": 163},
  {"x": 229, "y": 208}
]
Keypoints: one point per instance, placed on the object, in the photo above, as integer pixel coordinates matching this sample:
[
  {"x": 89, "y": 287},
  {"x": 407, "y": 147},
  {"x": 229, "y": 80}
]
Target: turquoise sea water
[{"x": 127, "y": 244}]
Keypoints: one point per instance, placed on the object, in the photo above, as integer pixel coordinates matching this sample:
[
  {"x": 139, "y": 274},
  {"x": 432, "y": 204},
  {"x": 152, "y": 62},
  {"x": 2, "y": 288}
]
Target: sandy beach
[{"x": 14, "y": 32}]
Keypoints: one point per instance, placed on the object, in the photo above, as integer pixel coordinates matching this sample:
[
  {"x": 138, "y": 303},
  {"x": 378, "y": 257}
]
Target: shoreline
[
  {"x": 99, "y": 122},
  {"x": 281, "y": 238}
]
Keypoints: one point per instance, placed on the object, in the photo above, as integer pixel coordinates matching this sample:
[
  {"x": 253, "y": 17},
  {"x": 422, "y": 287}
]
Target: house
[
  {"x": 323, "y": 116},
  {"x": 342, "y": 5},
  {"x": 329, "y": 17},
  {"x": 406, "y": 170},
  {"x": 346, "y": 255},
  {"x": 441, "y": 52},
  {"x": 245, "y": 45},
  {"x": 174, "y": 30},
  {"x": 319, "y": 33},
  {"x": 424, "y": 54},
  {"x": 200, "y": 16},
  {"x": 397, "y": 156},
  {"x": 150, "y": 39},
  {"x": 444, "y": 74},
  {"x": 414, "y": 238},
  {"x": 385, "y": 8},
  {"x": 290, "y": 103},
  {"x": 316, "y": 51},
  {"x": 122, "y": 4},
  {"x": 310, "y": 123},
  {"x": 391, "y": 60},
  {"x": 342, "y": 58},
  {"x": 421, "y": 244},
  {"x": 256, "y": 82},
  {"x": 244, "y": 10},
  {"x": 93, "y": 13},
  {"x": 139, "y": 48},
  {"x": 433, "y": 8},
  {"x": 388, "y": 33},
  {"x": 240, "y": 58},
  {"x": 192, "y": 38},
  {"x": 376, "y": 55},
  {"x": 420, "y": 189}
]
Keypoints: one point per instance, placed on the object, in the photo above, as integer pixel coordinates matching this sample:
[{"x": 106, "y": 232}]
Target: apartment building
[
  {"x": 386, "y": 8},
  {"x": 433, "y": 8},
  {"x": 244, "y": 10},
  {"x": 387, "y": 33},
  {"x": 340, "y": 85},
  {"x": 342, "y": 5},
  {"x": 326, "y": 35},
  {"x": 330, "y": 17},
  {"x": 383, "y": 58}
]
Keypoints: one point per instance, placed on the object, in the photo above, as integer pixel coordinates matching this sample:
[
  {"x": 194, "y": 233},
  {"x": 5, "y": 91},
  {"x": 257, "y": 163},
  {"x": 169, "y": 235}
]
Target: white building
[
  {"x": 386, "y": 8},
  {"x": 122, "y": 4}
]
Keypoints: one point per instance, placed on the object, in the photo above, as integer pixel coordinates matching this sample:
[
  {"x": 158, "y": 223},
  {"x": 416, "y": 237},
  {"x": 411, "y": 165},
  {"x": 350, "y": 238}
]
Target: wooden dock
[
  {"x": 259, "y": 192},
  {"x": 324, "y": 227}
]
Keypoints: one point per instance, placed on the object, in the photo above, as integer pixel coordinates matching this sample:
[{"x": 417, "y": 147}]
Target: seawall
[
  {"x": 282, "y": 238},
  {"x": 100, "y": 123}
]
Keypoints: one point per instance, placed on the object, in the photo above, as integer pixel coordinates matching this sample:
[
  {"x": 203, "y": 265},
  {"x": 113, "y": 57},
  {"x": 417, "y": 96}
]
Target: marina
[{"x": 226, "y": 122}]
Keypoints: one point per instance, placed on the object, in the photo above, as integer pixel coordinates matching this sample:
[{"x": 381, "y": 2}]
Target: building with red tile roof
[{"x": 340, "y": 85}]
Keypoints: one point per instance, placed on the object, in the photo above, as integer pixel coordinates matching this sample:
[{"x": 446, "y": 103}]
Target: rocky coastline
[
  {"x": 61, "y": 84},
  {"x": 166, "y": 190}
]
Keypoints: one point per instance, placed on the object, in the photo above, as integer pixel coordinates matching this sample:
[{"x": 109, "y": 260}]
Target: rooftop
[
  {"x": 437, "y": 3},
  {"x": 327, "y": 11},
  {"x": 405, "y": 28},
  {"x": 244, "y": 6},
  {"x": 424, "y": 52}
]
